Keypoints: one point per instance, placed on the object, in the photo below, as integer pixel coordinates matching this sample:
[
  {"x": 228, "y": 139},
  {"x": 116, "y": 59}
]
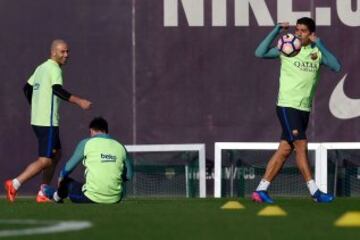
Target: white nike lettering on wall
[{"x": 341, "y": 106}]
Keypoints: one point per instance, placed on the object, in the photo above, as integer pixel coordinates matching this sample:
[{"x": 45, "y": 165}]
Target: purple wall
[
  {"x": 177, "y": 84},
  {"x": 203, "y": 83},
  {"x": 99, "y": 68}
]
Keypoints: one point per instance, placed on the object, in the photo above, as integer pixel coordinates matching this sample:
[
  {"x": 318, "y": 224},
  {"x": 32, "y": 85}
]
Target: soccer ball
[{"x": 289, "y": 45}]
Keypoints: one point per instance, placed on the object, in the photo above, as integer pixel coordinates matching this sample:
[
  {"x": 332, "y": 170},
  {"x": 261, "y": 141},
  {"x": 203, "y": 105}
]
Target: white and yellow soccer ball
[{"x": 289, "y": 45}]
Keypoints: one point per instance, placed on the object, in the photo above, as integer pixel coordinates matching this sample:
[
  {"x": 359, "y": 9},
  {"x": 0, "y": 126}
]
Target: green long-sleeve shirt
[
  {"x": 105, "y": 161},
  {"x": 299, "y": 75}
]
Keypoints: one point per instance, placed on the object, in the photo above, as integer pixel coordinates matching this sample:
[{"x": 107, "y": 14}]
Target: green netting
[
  {"x": 164, "y": 174},
  {"x": 242, "y": 171},
  {"x": 344, "y": 172}
]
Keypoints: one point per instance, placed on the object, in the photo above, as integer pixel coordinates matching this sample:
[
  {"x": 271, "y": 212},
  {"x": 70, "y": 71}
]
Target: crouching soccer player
[
  {"x": 299, "y": 76},
  {"x": 106, "y": 169}
]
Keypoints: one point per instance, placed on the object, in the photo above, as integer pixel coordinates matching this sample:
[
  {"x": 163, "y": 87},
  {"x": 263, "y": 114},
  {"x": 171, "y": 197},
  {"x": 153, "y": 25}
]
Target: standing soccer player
[
  {"x": 299, "y": 76},
  {"x": 44, "y": 91}
]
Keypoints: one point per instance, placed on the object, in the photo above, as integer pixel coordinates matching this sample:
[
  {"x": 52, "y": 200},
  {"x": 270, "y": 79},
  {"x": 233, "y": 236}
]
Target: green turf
[{"x": 189, "y": 219}]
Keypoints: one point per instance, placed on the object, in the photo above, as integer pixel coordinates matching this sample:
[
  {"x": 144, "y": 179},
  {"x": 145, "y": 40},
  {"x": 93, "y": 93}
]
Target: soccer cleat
[
  {"x": 48, "y": 191},
  {"x": 42, "y": 199},
  {"x": 261, "y": 197},
  {"x": 41, "y": 196},
  {"x": 10, "y": 190},
  {"x": 322, "y": 197}
]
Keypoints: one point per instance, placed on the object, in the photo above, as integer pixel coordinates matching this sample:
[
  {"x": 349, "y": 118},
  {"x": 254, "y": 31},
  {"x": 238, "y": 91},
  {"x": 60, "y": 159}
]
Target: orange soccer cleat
[
  {"x": 41, "y": 197},
  {"x": 10, "y": 190}
]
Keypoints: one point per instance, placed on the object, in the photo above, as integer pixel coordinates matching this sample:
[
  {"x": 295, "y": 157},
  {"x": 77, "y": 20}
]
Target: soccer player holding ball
[{"x": 299, "y": 75}]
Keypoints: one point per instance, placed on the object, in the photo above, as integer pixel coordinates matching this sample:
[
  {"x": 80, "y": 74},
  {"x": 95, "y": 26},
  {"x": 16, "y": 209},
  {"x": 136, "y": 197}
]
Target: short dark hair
[
  {"x": 309, "y": 22},
  {"x": 99, "y": 124}
]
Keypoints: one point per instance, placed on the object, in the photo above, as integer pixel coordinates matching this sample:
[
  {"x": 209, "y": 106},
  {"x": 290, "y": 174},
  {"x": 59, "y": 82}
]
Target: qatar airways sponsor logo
[
  {"x": 306, "y": 66},
  {"x": 348, "y": 12}
]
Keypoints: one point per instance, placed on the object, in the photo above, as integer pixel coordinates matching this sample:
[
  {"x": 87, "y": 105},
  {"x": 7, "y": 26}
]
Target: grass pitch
[{"x": 186, "y": 219}]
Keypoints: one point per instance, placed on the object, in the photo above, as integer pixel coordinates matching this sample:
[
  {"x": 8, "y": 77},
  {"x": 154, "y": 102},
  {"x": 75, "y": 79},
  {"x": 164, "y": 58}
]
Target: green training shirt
[
  {"x": 44, "y": 104},
  {"x": 104, "y": 159},
  {"x": 299, "y": 77}
]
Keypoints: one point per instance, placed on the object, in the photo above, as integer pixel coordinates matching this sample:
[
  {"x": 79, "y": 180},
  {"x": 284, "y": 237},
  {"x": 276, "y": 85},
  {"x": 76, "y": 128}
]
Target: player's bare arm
[{"x": 81, "y": 102}]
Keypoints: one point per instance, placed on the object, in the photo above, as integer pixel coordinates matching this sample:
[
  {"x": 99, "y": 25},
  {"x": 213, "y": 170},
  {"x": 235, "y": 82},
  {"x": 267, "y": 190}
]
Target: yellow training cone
[
  {"x": 272, "y": 211},
  {"x": 232, "y": 205},
  {"x": 349, "y": 219}
]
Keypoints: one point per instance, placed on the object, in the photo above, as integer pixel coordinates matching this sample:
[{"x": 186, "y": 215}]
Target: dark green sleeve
[
  {"x": 328, "y": 58},
  {"x": 75, "y": 159},
  {"x": 264, "y": 49},
  {"x": 128, "y": 171}
]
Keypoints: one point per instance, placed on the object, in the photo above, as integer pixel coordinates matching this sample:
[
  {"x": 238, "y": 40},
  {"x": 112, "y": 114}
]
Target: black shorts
[
  {"x": 48, "y": 140},
  {"x": 76, "y": 194},
  {"x": 293, "y": 122}
]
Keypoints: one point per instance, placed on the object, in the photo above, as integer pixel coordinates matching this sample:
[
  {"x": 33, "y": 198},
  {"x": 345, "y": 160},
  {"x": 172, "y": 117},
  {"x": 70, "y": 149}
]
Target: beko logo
[
  {"x": 107, "y": 157},
  {"x": 347, "y": 12}
]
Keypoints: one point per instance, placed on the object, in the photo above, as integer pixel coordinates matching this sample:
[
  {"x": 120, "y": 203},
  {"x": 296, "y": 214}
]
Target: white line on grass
[{"x": 50, "y": 227}]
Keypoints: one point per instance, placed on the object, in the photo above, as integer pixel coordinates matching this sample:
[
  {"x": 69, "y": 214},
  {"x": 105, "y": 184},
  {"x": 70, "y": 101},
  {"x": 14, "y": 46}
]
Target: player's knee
[
  {"x": 285, "y": 151},
  {"x": 300, "y": 146},
  {"x": 45, "y": 162}
]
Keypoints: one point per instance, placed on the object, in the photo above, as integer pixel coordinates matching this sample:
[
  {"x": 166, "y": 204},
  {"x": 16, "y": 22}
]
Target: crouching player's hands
[{"x": 56, "y": 197}]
